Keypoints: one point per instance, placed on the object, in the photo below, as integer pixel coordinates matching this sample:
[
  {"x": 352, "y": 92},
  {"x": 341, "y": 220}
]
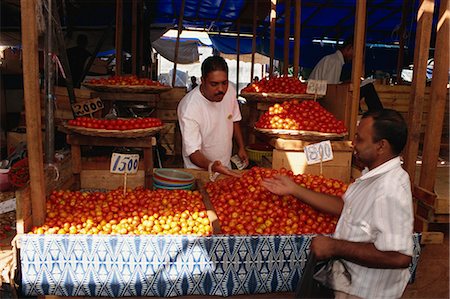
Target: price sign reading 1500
[
  {"x": 317, "y": 152},
  {"x": 124, "y": 163}
]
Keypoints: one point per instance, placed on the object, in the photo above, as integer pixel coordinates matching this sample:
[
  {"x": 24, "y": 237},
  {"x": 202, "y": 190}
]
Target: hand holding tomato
[{"x": 280, "y": 185}]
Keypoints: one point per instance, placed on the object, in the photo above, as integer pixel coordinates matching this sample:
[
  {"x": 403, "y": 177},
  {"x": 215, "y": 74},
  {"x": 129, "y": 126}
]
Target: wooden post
[
  {"x": 298, "y": 5},
  {"x": 255, "y": 16},
  {"x": 119, "y": 26},
  {"x": 134, "y": 34},
  {"x": 438, "y": 99},
  {"x": 273, "y": 18},
  {"x": 238, "y": 52},
  {"x": 141, "y": 38},
  {"x": 401, "y": 32},
  {"x": 33, "y": 109},
  {"x": 358, "y": 51},
  {"x": 287, "y": 34},
  {"x": 421, "y": 51},
  {"x": 177, "y": 44}
]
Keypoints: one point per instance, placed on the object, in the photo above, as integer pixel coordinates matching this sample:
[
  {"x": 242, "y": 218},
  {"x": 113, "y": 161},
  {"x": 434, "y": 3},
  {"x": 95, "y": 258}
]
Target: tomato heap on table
[
  {"x": 288, "y": 85},
  {"x": 125, "y": 80},
  {"x": 139, "y": 212},
  {"x": 245, "y": 207},
  {"x": 307, "y": 115},
  {"x": 121, "y": 124}
]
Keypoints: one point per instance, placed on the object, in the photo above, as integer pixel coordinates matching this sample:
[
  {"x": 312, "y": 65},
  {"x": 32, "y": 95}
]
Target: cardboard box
[{"x": 289, "y": 154}]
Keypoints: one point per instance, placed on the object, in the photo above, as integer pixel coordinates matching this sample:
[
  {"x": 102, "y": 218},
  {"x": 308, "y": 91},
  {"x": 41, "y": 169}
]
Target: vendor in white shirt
[
  {"x": 329, "y": 68},
  {"x": 209, "y": 119}
]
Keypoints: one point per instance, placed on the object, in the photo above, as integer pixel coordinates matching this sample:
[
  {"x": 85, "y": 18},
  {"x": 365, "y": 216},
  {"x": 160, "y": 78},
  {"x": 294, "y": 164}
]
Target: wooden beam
[
  {"x": 357, "y": 65},
  {"x": 33, "y": 109},
  {"x": 219, "y": 13},
  {"x": 287, "y": 34},
  {"x": 439, "y": 83},
  {"x": 238, "y": 52},
  {"x": 134, "y": 35},
  {"x": 273, "y": 19},
  {"x": 142, "y": 24},
  {"x": 177, "y": 43},
  {"x": 255, "y": 20},
  {"x": 298, "y": 20},
  {"x": 402, "y": 39},
  {"x": 119, "y": 27},
  {"x": 421, "y": 52}
]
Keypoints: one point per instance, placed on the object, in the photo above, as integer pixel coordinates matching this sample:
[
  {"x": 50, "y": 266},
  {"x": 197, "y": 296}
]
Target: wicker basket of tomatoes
[
  {"x": 127, "y": 84},
  {"x": 306, "y": 120},
  {"x": 276, "y": 89},
  {"x": 121, "y": 128}
]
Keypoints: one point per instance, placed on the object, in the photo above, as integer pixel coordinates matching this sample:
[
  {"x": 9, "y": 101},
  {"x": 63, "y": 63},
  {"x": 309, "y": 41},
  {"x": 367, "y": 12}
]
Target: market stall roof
[{"x": 320, "y": 20}]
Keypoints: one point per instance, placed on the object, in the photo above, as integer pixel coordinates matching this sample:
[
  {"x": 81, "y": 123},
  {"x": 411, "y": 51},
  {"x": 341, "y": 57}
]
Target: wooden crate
[
  {"x": 63, "y": 109},
  {"x": 167, "y": 110},
  {"x": 289, "y": 154},
  {"x": 397, "y": 97}
]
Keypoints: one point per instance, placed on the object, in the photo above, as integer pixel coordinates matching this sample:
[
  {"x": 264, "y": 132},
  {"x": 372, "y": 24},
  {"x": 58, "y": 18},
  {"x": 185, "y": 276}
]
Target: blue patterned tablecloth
[{"x": 164, "y": 266}]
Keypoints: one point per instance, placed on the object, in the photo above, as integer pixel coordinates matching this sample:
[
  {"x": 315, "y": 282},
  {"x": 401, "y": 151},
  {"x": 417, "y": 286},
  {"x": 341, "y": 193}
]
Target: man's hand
[
  {"x": 242, "y": 153},
  {"x": 280, "y": 185},
  {"x": 323, "y": 247},
  {"x": 218, "y": 167}
]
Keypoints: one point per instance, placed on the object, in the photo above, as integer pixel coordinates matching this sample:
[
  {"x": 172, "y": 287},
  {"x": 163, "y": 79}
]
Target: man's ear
[{"x": 384, "y": 146}]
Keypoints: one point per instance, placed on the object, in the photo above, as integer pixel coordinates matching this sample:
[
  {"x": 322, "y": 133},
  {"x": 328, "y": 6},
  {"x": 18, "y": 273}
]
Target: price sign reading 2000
[{"x": 124, "y": 163}]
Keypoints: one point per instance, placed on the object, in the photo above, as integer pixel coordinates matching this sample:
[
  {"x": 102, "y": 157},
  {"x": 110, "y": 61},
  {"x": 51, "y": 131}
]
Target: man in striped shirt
[{"x": 372, "y": 246}]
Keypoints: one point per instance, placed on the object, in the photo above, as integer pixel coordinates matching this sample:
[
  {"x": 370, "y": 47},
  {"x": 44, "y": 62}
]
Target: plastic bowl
[
  {"x": 186, "y": 187},
  {"x": 172, "y": 177},
  {"x": 163, "y": 182}
]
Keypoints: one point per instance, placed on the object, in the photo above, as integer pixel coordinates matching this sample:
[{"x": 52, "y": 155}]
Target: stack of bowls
[{"x": 172, "y": 179}]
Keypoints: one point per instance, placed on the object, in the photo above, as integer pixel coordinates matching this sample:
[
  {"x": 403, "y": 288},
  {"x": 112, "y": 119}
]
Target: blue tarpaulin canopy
[{"x": 320, "y": 19}]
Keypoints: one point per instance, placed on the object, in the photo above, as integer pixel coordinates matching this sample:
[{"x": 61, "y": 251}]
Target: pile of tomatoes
[
  {"x": 307, "y": 115},
  {"x": 244, "y": 207},
  {"x": 121, "y": 124},
  {"x": 125, "y": 80},
  {"x": 283, "y": 84},
  {"x": 138, "y": 212}
]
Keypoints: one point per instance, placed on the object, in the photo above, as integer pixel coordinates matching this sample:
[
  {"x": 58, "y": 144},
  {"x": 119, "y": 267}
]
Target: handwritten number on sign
[
  {"x": 317, "y": 152},
  {"x": 124, "y": 163},
  {"x": 87, "y": 107}
]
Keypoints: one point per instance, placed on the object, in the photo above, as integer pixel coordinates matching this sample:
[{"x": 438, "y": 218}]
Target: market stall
[{"x": 63, "y": 264}]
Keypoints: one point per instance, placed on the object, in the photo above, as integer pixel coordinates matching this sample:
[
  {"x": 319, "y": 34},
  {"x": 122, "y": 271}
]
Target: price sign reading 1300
[{"x": 124, "y": 163}]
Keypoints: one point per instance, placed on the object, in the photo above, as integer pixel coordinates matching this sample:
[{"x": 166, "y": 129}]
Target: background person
[
  {"x": 193, "y": 83},
  {"x": 329, "y": 68},
  {"x": 209, "y": 119},
  {"x": 373, "y": 242}
]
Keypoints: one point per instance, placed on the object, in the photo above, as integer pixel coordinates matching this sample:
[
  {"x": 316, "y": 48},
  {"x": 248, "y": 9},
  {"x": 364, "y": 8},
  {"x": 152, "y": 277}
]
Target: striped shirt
[{"x": 378, "y": 209}]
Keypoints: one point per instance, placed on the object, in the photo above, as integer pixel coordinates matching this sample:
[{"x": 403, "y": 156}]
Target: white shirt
[
  {"x": 378, "y": 209},
  {"x": 329, "y": 68},
  {"x": 208, "y": 126}
]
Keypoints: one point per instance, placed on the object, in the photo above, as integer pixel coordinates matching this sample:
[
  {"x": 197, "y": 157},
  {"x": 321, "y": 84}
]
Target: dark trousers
[{"x": 370, "y": 96}]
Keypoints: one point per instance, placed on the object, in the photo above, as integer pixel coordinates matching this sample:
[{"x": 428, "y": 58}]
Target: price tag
[
  {"x": 318, "y": 152},
  {"x": 87, "y": 107},
  {"x": 8, "y": 206},
  {"x": 124, "y": 163},
  {"x": 318, "y": 87}
]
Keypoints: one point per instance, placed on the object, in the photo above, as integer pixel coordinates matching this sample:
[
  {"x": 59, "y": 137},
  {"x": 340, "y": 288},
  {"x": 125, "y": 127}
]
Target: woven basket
[
  {"x": 127, "y": 88},
  {"x": 115, "y": 133},
  {"x": 301, "y": 135},
  {"x": 275, "y": 97},
  {"x": 257, "y": 155}
]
